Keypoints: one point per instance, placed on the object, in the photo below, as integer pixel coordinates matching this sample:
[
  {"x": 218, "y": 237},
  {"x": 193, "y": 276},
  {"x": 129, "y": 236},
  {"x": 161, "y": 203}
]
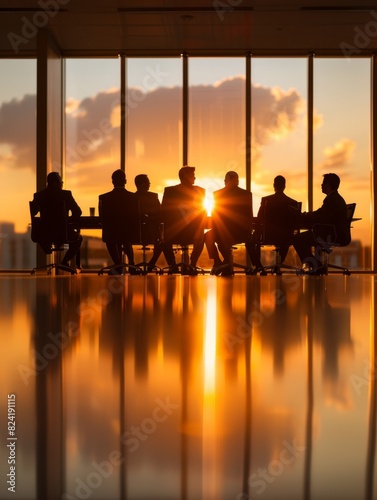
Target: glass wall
[
  {"x": 154, "y": 121},
  {"x": 279, "y": 132},
  {"x": 342, "y": 104},
  {"x": 279, "y": 126},
  {"x": 216, "y": 132},
  {"x": 17, "y": 165},
  {"x": 92, "y": 145}
]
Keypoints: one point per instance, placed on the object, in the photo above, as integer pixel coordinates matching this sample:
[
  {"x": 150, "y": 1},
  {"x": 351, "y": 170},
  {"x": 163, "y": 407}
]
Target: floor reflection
[{"x": 169, "y": 387}]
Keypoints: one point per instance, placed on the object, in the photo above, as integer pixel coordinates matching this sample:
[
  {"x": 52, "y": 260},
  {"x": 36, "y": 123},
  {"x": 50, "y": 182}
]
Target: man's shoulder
[{"x": 66, "y": 193}]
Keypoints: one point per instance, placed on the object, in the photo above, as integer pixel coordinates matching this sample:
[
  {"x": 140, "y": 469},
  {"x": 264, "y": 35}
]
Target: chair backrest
[
  {"x": 183, "y": 215},
  {"x": 326, "y": 234},
  {"x": 279, "y": 223},
  {"x": 120, "y": 217},
  {"x": 50, "y": 228},
  {"x": 232, "y": 215}
]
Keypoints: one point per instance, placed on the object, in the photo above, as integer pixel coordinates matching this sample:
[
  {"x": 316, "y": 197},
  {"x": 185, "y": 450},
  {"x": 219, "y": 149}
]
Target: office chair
[
  {"x": 151, "y": 233},
  {"x": 183, "y": 266},
  {"x": 51, "y": 233},
  {"x": 278, "y": 225},
  {"x": 228, "y": 268},
  {"x": 181, "y": 230},
  {"x": 326, "y": 238},
  {"x": 120, "y": 227}
]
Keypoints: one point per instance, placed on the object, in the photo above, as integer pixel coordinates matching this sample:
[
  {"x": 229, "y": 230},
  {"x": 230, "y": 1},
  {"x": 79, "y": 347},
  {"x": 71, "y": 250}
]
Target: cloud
[
  {"x": 154, "y": 134},
  {"x": 338, "y": 155},
  {"x": 18, "y": 132}
]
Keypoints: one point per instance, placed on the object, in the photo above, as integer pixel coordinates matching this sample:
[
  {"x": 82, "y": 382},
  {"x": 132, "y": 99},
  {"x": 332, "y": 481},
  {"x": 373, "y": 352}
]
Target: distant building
[{"x": 17, "y": 251}]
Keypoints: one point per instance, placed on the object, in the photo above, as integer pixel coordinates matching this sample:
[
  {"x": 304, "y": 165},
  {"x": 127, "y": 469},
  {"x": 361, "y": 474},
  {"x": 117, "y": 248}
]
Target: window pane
[
  {"x": 18, "y": 153},
  {"x": 279, "y": 132},
  {"x": 279, "y": 126},
  {"x": 154, "y": 121},
  {"x": 92, "y": 146},
  {"x": 342, "y": 106},
  {"x": 216, "y": 141}
]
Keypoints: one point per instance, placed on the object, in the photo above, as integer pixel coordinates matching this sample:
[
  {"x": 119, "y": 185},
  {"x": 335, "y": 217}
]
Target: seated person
[
  {"x": 279, "y": 221},
  {"x": 231, "y": 219},
  {"x": 333, "y": 211},
  {"x": 118, "y": 210},
  {"x": 150, "y": 217},
  {"x": 55, "y": 205},
  {"x": 184, "y": 216}
]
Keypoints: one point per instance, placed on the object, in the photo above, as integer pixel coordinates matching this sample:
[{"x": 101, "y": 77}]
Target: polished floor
[{"x": 197, "y": 388}]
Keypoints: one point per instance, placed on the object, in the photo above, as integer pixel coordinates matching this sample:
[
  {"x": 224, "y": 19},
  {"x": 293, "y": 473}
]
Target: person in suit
[
  {"x": 279, "y": 230},
  {"x": 333, "y": 211},
  {"x": 150, "y": 217},
  {"x": 232, "y": 219},
  {"x": 55, "y": 205},
  {"x": 118, "y": 210},
  {"x": 184, "y": 216}
]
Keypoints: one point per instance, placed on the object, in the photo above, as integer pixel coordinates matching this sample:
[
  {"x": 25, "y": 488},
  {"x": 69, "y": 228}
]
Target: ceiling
[{"x": 196, "y": 27}]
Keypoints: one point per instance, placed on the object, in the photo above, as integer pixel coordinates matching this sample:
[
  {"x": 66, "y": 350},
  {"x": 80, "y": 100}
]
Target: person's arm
[
  {"x": 73, "y": 207},
  {"x": 34, "y": 206}
]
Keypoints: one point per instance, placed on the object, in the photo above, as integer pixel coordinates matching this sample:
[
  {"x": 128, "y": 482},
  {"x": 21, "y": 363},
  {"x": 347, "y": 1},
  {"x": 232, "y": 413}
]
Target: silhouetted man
[
  {"x": 118, "y": 210},
  {"x": 232, "y": 219},
  {"x": 333, "y": 211},
  {"x": 57, "y": 209},
  {"x": 184, "y": 216},
  {"x": 279, "y": 214}
]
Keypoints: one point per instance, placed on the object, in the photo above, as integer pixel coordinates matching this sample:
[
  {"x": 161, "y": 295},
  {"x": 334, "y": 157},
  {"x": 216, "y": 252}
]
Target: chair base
[
  {"x": 228, "y": 269},
  {"x": 50, "y": 267},
  {"x": 145, "y": 266},
  {"x": 183, "y": 268},
  {"x": 324, "y": 270},
  {"x": 121, "y": 269},
  {"x": 276, "y": 269}
]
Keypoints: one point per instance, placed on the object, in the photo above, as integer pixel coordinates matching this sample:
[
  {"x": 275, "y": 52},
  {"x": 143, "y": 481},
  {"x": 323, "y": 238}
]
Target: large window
[
  {"x": 92, "y": 149},
  {"x": 279, "y": 126},
  {"x": 216, "y": 137},
  {"x": 17, "y": 165},
  {"x": 154, "y": 121},
  {"x": 342, "y": 104},
  {"x": 154, "y": 141}
]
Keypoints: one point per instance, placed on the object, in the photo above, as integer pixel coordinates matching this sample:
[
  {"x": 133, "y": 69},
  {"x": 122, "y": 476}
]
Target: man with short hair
[
  {"x": 150, "y": 217},
  {"x": 232, "y": 219},
  {"x": 334, "y": 212},
  {"x": 278, "y": 207},
  {"x": 49, "y": 202},
  {"x": 184, "y": 215},
  {"x": 118, "y": 210}
]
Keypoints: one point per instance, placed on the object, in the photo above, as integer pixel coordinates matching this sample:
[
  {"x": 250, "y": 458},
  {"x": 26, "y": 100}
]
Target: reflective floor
[{"x": 197, "y": 388}]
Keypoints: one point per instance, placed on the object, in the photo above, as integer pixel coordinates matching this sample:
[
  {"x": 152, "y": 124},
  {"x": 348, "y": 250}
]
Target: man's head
[
  {"x": 330, "y": 183},
  {"x": 186, "y": 175},
  {"x": 231, "y": 178},
  {"x": 54, "y": 180},
  {"x": 142, "y": 182},
  {"x": 119, "y": 178},
  {"x": 279, "y": 183}
]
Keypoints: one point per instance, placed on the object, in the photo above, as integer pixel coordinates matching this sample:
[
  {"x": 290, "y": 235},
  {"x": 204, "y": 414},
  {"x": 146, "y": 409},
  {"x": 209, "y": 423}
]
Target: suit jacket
[
  {"x": 232, "y": 215},
  {"x": 278, "y": 215},
  {"x": 183, "y": 213},
  {"x": 56, "y": 208},
  {"x": 150, "y": 216},
  {"x": 118, "y": 210},
  {"x": 333, "y": 211}
]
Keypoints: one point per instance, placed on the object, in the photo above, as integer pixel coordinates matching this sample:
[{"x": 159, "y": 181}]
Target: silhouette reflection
[{"x": 178, "y": 387}]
